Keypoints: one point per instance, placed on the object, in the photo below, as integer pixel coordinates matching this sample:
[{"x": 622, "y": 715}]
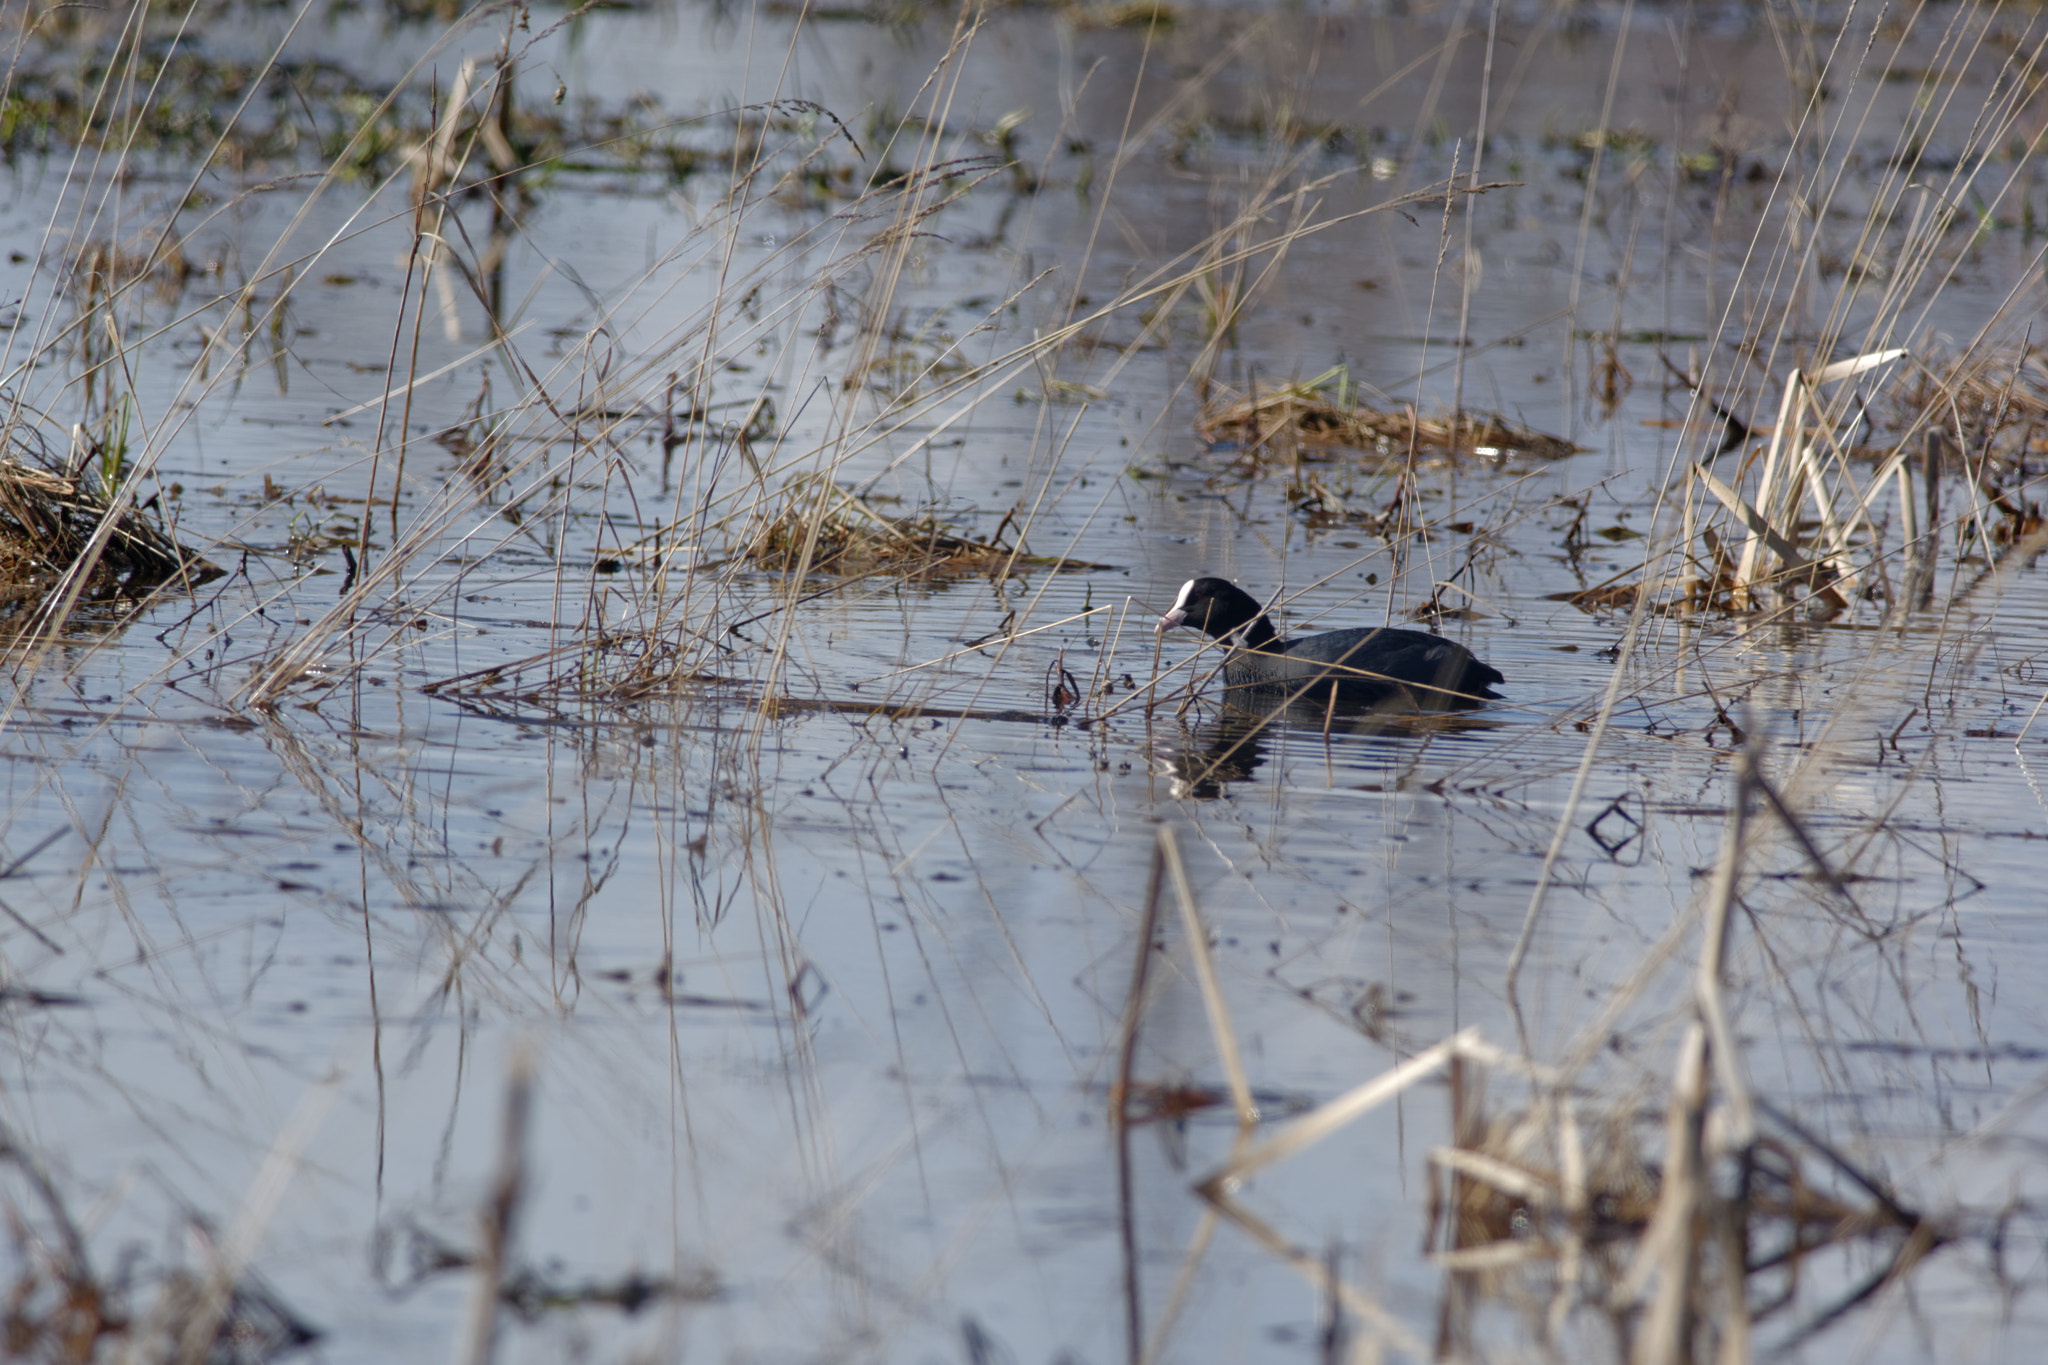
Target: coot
[{"x": 1371, "y": 667}]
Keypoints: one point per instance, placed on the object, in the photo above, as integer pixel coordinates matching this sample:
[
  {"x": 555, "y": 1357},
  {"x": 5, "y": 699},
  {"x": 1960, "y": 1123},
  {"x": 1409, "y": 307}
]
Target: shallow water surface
[{"x": 818, "y": 932}]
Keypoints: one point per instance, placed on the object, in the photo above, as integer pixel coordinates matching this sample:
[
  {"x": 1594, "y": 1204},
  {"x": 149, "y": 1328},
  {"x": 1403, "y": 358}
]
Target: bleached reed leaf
[
  {"x": 1782, "y": 547},
  {"x": 1492, "y": 1256},
  {"x": 1505, "y": 1176},
  {"x": 1572, "y": 1157},
  {"x": 1474, "y": 1048},
  {"x": 1854, "y": 365},
  {"x": 1318, "y": 1124},
  {"x": 1220, "y": 1027}
]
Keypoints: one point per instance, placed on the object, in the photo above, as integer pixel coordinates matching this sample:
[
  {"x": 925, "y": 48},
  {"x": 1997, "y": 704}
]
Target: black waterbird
[{"x": 1381, "y": 667}]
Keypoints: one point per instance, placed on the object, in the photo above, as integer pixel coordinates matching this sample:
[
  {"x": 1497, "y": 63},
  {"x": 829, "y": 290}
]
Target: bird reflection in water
[{"x": 1231, "y": 744}]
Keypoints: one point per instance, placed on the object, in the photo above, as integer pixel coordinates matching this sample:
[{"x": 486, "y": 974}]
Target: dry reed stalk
[
  {"x": 1669, "y": 1248},
  {"x": 1220, "y": 1030},
  {"x": 206, "y": 1315},
  {"x": 1672, "y": 1245},
  {"x": 1168, "y": 866},
  {"x": 1119, "y": 1106},
  {"x": 1601, "y": 135},
  {"x": 1220, "y": 1188},
  {"x": 1792, "y": 465},
  {"x": 1183, "y": 1286},
  {"x": 1575, "y": 1194},
  {"x": 1390, "y": 1331},
  {"x": 499, "y": 1218},
  {"x": 1924, "y": 539},
  {"x": 1313, "y": 1127},
  {"x": 1567, "y": 819}
]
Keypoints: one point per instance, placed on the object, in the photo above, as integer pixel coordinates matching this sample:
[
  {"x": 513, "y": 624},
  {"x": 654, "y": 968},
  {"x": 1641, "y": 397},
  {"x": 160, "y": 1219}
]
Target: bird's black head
[{"x": 1216, "y": 607}]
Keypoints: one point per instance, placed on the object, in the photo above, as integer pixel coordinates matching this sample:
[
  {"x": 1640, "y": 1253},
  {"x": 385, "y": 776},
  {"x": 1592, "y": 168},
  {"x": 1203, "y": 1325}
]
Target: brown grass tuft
[
  {"x": 50, "y": 521},
  {"x": 1323, "y": 414}
]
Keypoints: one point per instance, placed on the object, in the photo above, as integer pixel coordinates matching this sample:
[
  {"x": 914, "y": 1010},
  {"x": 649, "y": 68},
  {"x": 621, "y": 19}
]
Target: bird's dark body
[
  {"x": 1368, "y": 667},
  {"x": 1376, "y": 667}
]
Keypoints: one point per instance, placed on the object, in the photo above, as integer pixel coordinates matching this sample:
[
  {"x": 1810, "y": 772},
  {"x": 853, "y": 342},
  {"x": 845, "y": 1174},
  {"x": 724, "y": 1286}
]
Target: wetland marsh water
[{"x": 822, "y": 952}]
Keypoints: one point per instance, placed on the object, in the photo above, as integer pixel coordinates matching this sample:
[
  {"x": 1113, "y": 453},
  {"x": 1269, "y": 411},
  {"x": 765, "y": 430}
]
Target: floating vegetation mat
[
  {"x": 618, "y": 667},
  {"x": 1325, "y": 413},
  {"x": 822, "y": 528}
]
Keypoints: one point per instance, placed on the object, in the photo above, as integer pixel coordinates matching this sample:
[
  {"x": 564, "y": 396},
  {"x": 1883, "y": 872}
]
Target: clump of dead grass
[
  {"x": 1854, "y": 495},
  {"x": 1316, "y": 417},
  {"x": 822, "y": 528},
  {"x": 826, "y": 529},
  {"x": 1996, "y": 402},
  {"x": 52, "y": 523}
]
